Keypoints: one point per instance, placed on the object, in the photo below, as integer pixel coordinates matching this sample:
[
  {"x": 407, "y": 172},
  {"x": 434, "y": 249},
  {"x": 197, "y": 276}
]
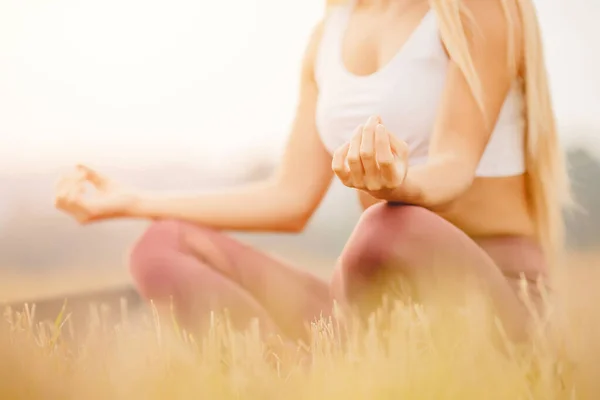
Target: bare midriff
[{"x": 491, "y": 207}]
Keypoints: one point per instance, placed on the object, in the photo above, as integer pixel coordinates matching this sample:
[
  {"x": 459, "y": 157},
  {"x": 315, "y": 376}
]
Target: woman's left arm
[{"x": 462, "y": 130}]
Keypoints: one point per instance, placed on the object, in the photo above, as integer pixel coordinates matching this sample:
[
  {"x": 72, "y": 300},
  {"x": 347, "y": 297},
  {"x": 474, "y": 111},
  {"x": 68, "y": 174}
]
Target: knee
[
  {"x": 386, "y": 234},
  {"x": 160, "y": 237},
  {"x": 152, "y": 257}
]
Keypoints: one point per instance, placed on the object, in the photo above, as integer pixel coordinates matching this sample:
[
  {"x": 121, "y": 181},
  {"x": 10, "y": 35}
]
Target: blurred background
[{"x": 188, "y": 94}]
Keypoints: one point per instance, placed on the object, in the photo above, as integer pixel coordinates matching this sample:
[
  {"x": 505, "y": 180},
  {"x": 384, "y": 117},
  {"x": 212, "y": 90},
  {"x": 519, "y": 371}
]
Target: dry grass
[{"x": 407, "y": 352}]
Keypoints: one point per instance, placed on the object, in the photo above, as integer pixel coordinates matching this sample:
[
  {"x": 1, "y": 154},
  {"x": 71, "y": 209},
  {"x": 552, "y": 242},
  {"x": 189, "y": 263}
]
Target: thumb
[{"x": 92, "y": 175}]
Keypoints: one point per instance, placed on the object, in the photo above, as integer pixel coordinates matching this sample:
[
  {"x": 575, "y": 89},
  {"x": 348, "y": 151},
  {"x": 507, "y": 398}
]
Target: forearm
[
  {"x": 264, "y": 206},
  {"x": 432, "y": 185}
]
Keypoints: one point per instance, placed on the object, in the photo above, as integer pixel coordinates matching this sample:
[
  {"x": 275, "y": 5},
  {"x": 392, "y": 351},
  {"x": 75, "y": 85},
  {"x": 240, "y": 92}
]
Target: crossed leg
[
  {"x": 203, "y": 270},
  {"x": 439, "y": 262}
]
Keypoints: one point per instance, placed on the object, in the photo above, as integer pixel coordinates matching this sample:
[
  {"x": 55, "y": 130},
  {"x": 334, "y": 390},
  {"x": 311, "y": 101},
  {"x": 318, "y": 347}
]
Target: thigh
[
  {"x": 521, "y": 260},
  {"x": 433, "y": 255},
  {"x": 292, "y": 296},
  {"x": 198, "y": 290}
]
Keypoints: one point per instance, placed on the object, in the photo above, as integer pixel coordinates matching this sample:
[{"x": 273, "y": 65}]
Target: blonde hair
[{"x": 546, "y": 177}]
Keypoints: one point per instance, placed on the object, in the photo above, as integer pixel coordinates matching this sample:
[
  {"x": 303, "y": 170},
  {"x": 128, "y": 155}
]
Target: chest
[
  {"x": 399, "y": 78},
  {"x": 370, "y": 41},
  {"x": 407, "y": 103}
]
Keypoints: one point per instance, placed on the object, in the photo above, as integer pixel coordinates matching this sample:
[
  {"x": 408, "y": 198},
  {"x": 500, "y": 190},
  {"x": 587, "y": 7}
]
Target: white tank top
[{"x": 406, "y": 93}]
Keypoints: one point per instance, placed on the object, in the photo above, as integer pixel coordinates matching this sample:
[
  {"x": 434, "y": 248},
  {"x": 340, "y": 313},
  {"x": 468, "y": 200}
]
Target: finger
[
  {"x": 400, "y": 149},
  {"x": 73, "y": 203},
  {"x": 357, "y": 171},
  {"x": 68, "y": 178},
  {"x": 61, "y": 191},
  {"x": 373, "y": 121},
  {"x": 385, "y": 156},
  {"x": 338, "y": 164},
  {"x": 92, "y": 175},
  {"x": 83, "y": 209},
  {"x": 65, "y": 185},
  {"x": 75, "y": 193},
  {"x": 367, "y": 156}
]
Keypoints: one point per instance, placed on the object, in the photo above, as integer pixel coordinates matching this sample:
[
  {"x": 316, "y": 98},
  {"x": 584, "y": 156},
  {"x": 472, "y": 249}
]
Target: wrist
[
  {"x": 135, "y": 207},
  {"x": 407, "y": 192},
  {"x": 383, "y": 194}
]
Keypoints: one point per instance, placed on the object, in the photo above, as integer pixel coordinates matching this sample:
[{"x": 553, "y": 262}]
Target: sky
[{"x": 142, "y": 82}]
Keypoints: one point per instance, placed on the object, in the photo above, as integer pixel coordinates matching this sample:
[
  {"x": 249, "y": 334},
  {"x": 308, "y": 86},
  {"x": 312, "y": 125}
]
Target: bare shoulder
[
  {"x": 494, "y": 17},
  {"x": 494, "y": 26},
  {"x": 311, "y": 51}
]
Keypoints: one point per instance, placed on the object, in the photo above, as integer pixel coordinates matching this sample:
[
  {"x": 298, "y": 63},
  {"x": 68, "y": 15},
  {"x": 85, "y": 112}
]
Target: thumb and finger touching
[
  {"x": 93, "y": 176},
  {"x": 389, "y": 156},
  {"x": 71, "y": 192}
]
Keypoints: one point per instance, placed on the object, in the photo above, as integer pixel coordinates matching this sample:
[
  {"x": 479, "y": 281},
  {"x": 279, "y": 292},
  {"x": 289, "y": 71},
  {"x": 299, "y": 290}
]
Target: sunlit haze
[{"x": 139, "y": 82}]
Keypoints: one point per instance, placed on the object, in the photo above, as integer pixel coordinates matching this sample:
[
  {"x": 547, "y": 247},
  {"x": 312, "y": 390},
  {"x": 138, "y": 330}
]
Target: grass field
[{"x": 407, "y": 352}]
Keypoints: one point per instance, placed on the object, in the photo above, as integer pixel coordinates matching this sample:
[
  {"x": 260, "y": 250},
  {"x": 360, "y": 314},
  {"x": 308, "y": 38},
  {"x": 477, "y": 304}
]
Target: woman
[{"x": 436, "y": 112}]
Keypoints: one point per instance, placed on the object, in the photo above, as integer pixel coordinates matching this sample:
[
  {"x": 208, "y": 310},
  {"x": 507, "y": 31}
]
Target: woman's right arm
[{"x": 285, "y": 202}]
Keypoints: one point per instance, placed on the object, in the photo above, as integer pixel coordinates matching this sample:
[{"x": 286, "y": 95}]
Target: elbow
[
  {"x": 296, "y": 226},
  {"x": 299, "y": 205},
  {"x": 298, "y": 220},
  {"x": 292, "y": 224},
  {"x": 291, "y": 217}
]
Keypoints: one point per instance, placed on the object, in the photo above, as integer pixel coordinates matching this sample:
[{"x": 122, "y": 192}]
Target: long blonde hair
[{"x": 547, "y": 180}]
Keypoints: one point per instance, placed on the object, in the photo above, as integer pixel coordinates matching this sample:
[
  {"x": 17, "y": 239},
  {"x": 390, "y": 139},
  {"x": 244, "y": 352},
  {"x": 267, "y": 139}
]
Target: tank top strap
[{"x": 333, "y": 30}]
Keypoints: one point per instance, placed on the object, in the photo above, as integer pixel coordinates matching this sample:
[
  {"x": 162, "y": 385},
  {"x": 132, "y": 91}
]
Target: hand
[
  {"x": 105, "y": 200},
  {"x": 374, "y": 160}
]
